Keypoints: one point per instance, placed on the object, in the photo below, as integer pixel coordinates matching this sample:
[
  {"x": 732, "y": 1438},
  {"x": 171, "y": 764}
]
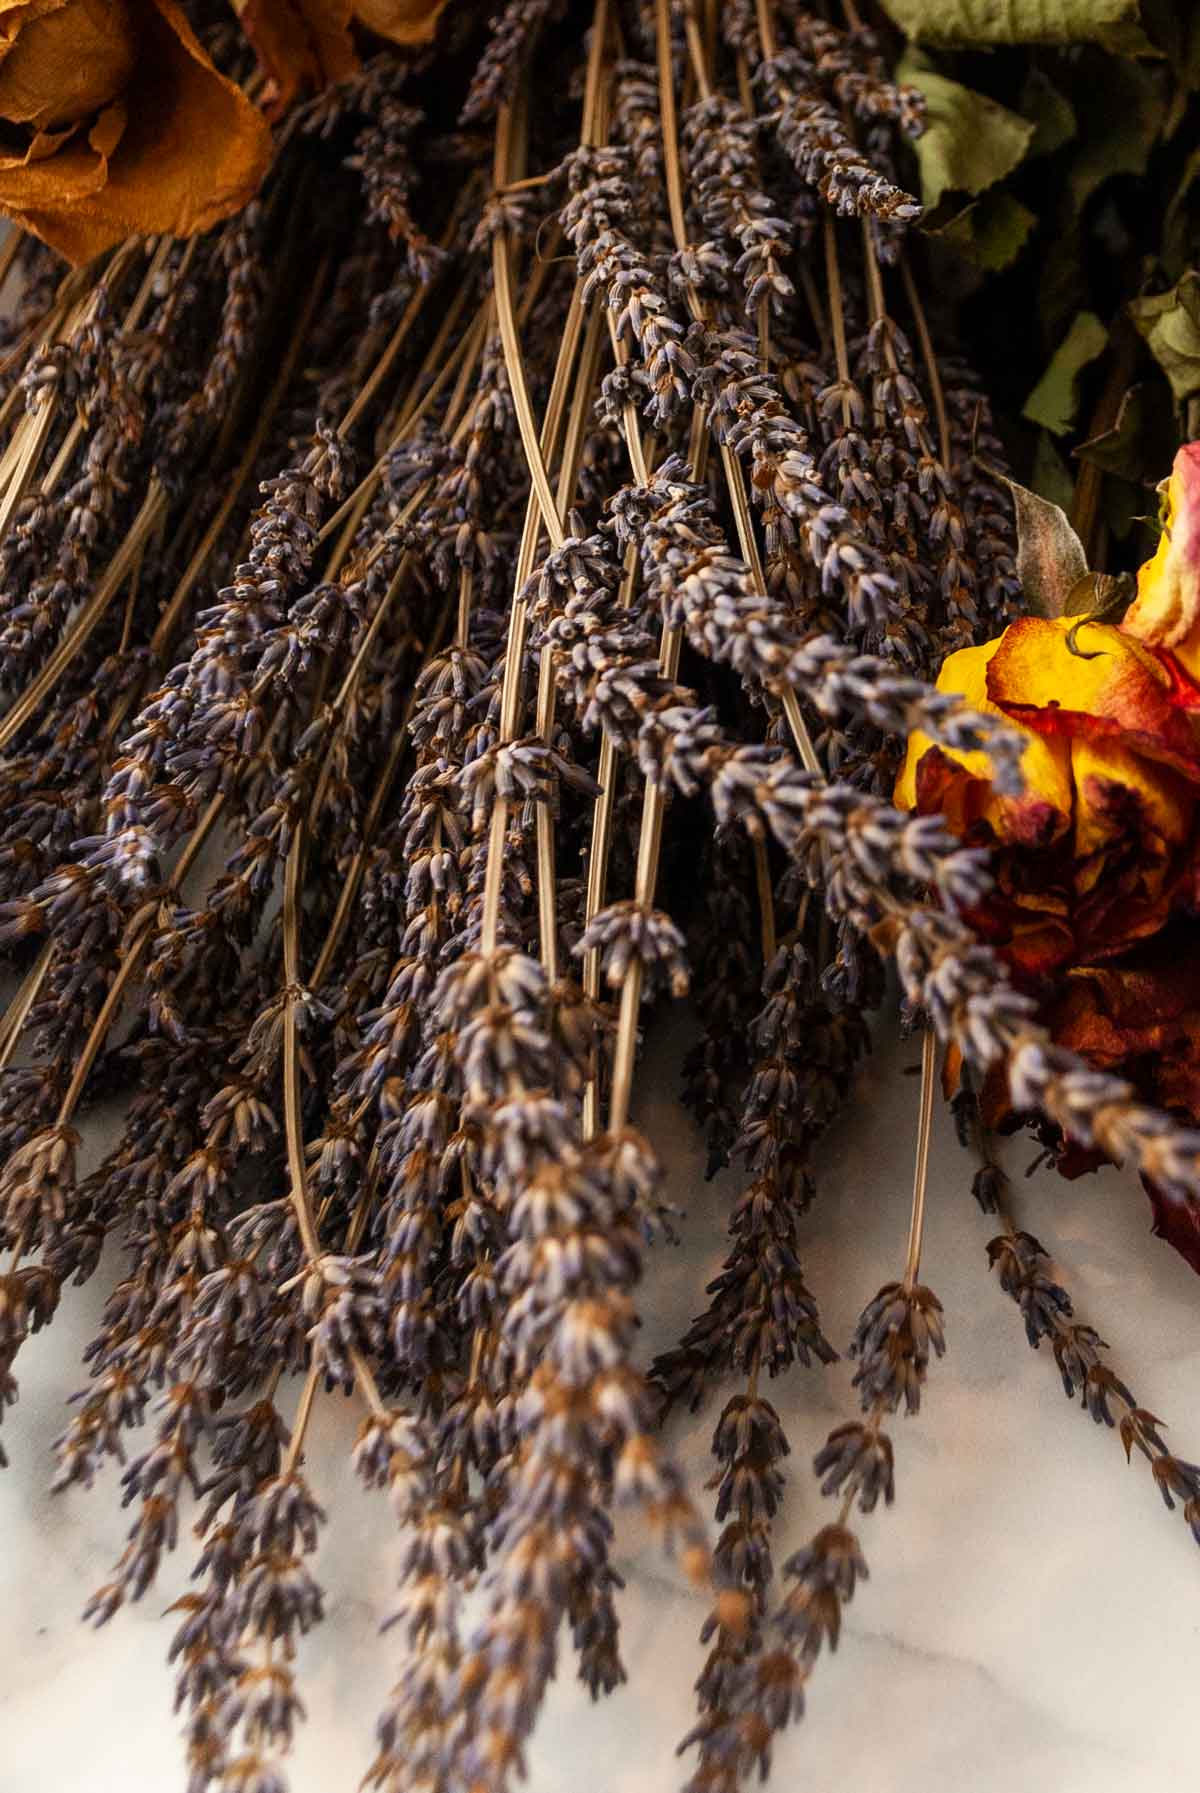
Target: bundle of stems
[{"x": 553, "y": 478}]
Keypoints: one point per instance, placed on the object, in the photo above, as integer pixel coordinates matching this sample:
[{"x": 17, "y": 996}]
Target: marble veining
[{"x": 1032, "y": 1617}]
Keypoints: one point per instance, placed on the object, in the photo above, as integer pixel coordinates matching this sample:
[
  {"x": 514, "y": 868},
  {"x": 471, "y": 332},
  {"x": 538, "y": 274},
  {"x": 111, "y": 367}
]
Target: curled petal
[
  {"x": 401, "y": 21},
  {"x": 959, "y": 784},
  {"x": 1166, "y": 611},
  {"x": 62, "y": 61},
  {"x": 308, "y": 43},
  {"x": 178, "y": 149},
  {"x": 300, "y": 44},
  {"x": 1108, "y": 688}
]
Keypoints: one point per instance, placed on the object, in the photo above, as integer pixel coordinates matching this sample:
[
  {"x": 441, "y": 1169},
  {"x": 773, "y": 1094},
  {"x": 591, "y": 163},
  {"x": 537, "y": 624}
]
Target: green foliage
[
  {"x": 969, "y": 142},
  {"x": 1051, "y": 477},
  {"x": 1120, "y": 112},
  {"x": 1054, "y": 401},
  {"x": 1114, "y": 24},
  {"x": 1049, "y": 111},
  {"x": 1141, "y": 441},
  {"x": 1170, "y": 324},
  {"x": 1062, "y": 179},
  {"x": 992, "y": 230}
]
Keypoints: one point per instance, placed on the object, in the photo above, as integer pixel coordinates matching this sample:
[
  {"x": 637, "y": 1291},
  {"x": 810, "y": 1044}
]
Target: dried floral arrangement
[{"x": 398, "y": 580}]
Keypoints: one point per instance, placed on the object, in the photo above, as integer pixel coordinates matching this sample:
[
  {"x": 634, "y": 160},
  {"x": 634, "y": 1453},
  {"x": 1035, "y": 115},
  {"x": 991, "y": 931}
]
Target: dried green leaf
[
  {"x": 992, "y": 230},
  {"x": 1181, "y": 221},
  {"x": 1170, "y": 324},
  {"x": 969, "y": 142},
  {"x": 1051, "y": 477},
  {"x": 1055, "y": 399},
  {"x": 1120, "y": 107},
  {"x": 1114, "y": 24},
  {"x": 1141, "y": 441},
  {"x": 1098, "y": 598},
  {"x": 1051, "y": 112},
  {"x": 1050, "y": 556},
  {"x": 1175, "y": 30}
]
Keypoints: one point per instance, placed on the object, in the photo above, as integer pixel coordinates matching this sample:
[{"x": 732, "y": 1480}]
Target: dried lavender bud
[
  {"x": 813, "y": 135},
  {"x": 893, "y": 1339},
  {"x": 1025, "y": 1275},
  {"x": 854, "y": 1455}
]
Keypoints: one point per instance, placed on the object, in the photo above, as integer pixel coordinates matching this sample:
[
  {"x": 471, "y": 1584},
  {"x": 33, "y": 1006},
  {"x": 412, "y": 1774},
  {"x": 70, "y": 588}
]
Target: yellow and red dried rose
[
  {"x": 1097, "y": 862},
  {"x": 1098, "y": 849}
]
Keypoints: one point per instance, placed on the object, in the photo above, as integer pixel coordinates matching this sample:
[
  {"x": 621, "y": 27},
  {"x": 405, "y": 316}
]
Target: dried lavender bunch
[
  {"x": 755, "y": 1682},
  {"x": 761, "y": 1318},
  {"x": 1028, "y": 1276},
  {"x": 384, "y": 589},
  {"x": 721, "y": 952}
]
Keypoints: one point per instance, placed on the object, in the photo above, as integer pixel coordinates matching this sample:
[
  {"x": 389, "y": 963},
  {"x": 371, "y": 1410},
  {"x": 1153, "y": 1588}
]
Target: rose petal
[
  {"x": 300, "y": 44},
  {"x": 966, "y": 795},
  {"x": 1144, "y": 1012},
  {"x": 401, "y": 21},
  {"x": 1118, "y": 791},
  {"x": 1111, "y": 689},
  {"x": 194, "y": 149},
  {"x": 57, "y": 169},
  {"x": 67, "y": 63},
  {"x": 1175, "y": 1220},
  {"x": 16, "y": 14},
  {"x": 307, "y": 43},
  {"x": 1166, "y": 612},
  {"x": 1143, "y": 1019},
  {"x": 1039, "y": 949}
]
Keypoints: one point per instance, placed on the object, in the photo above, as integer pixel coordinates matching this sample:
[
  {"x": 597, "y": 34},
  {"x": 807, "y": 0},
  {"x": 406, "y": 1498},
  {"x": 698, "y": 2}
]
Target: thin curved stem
[{"x": 916, "y": 1224}]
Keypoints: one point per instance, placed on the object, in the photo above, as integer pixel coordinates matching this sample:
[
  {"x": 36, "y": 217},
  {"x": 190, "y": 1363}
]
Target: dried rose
[
  {"x": 306, "y": 43},
  {"x": 1098, "y": 850},
  {"x": 1097, "y": 862},
  {"x": 116, "y": 123},
  {"x": 1140, "y": 1014}
]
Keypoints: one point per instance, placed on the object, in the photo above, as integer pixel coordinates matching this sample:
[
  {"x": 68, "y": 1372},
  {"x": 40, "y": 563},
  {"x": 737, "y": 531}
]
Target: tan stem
[
  {"x": 300, "y": 1423},
  {"x": 766, "y": 899},
  {"x": 151, "y": 514},
  {"x": 568, "y": 474},
  {"x": 540, "y": 508},
  {"x": 916, "y": 1225},
  {"x": 513, "y": 358},
  {"x": 929, "y": 356},
  {"x": 298, "y": 1192},
  {"x": 17, "y": 1012},
  {"x": 367, "y": 1383},
  {"x": 670, "y": 127},
  {"x": 837, "y": 315},
  {"x": 766, "y": 29}
]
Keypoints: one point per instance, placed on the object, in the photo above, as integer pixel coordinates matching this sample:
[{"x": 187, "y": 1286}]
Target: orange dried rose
[
  {"x": 116, "y": 122},
  {"x": 306, "y": 43}
]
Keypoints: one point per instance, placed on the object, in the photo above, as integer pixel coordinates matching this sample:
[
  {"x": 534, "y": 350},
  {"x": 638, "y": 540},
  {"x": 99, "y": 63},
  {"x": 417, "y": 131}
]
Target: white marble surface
[{"x": 1033, "y": 1614}]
